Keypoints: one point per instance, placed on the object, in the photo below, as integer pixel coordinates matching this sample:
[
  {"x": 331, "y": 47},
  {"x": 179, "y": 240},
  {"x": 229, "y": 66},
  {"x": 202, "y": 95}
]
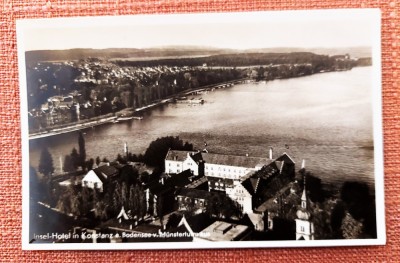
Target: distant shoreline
[
  {"x": 109, "y": 119},
  {"x": 129, "y": 112}
]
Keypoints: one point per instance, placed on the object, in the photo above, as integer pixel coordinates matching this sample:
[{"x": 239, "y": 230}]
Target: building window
[{"x": 302, "y": 228}]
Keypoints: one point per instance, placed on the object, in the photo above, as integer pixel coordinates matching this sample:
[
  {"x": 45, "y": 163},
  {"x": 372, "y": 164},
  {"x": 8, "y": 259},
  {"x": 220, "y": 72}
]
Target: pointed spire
[{"x": 304, "y": 195}]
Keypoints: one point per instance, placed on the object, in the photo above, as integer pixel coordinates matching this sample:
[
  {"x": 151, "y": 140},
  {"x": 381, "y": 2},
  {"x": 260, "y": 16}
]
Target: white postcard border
[{"x": 26, "y": 25}]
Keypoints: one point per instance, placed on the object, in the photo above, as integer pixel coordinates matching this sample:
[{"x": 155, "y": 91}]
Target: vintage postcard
[{"x": 214, "y": 130}]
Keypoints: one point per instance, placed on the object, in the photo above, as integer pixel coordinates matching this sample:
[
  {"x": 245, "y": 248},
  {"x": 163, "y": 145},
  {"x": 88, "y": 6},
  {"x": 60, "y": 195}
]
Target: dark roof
[
  {"x": 106, "y": 171},
  {"x": 199, "y": 222},
  {"x": 192, "y": 193},
  {"x": 251, "y": 185},
  {"x": 221, "y": 159},
  {"x": 159, "y": 189},
  {"x": 268, "y": 170},
  {"x": 269, "y": 205},
  {"x": 255, "y": 185},
  {"x": 197, "y": 157},
  {"x": 174, "y": 155},
  {"x": 286, "y": 158},
  {"x": 179, "y": 180},
  {"x": 226, "y": 181},
  {"x": 198, "y": 183}
]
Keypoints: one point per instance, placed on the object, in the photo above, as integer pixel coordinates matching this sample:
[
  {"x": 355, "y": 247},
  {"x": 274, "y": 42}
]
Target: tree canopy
[
  {"x": 157, "y": 150},
  {"x": 46, "y": 166}
]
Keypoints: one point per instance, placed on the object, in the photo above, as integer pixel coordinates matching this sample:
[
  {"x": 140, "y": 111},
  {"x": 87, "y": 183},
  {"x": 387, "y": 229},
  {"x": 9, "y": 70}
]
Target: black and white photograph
[{"x": 211, "y": 130}]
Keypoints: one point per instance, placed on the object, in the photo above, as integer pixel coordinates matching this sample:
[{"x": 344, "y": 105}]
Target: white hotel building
[{"x": 213, "y": 165}]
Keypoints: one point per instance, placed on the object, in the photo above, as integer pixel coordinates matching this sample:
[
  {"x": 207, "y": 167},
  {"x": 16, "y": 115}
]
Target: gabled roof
[
  {"x": 196, "y": 223},
  {"x": 219, "y": 159},
  {"x": 251, "y": 185},
  {"x": 197, "y": 157},
  {"x": 233, "y": 160},
  {"x": 226, "y": 181},
  {"x": 106, "y": 172},
  {"x": 123, "y": 214},
  {"x": 255, "y": 185},
  {"x": 192, "y": 193},
  {"x": 198, "y": 182},
  {"x": 269, "y": 205},
  {"x": 286, "y": 158},
  {"x": 174, "y": 155},
  {"x": 267, "y": 171}
]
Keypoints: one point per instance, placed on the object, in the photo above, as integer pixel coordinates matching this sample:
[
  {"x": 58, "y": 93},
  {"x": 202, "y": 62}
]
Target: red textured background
[{"x": 10, "y": 153}]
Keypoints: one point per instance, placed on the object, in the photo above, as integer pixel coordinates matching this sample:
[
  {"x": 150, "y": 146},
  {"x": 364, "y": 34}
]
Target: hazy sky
[{"x": 329, "y": 28}]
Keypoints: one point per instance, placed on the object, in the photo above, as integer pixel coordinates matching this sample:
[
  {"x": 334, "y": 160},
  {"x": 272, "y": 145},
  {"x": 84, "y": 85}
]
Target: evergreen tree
[
  {"x": 116, "y": 198},
  {"x": 155, "y": 153},
  {"x": 46, "y": 166},
  {"x": 82, "y": 150},
  {"x": 76, "y": 204},
  {"x": 135, "y": 201},
  {"x": 75, "y": 158},
  {"x": 98, "y": 161},
  {"x": 120, "y": 159},
  {"x": 142, "y": 203},
  {"x": 89, "y": 164},
  {"x": 124, "y": 195},
  {"x": 86, "y": 199},
  {"x": 68, "y": 165}
]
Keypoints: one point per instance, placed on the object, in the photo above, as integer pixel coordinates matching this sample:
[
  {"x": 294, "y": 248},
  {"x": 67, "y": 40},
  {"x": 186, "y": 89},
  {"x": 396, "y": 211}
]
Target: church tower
[{"x": 304, "y": 226}]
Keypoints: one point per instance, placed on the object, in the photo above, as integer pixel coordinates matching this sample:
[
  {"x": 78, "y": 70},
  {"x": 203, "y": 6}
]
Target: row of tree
[{"x": 318, "y": 62}]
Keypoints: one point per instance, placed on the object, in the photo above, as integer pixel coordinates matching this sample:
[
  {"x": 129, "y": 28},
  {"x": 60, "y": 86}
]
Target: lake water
[{"x": 325, "y": 119}]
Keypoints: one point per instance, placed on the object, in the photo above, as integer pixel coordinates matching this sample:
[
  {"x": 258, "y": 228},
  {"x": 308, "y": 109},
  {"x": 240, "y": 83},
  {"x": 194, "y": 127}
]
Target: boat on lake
[
  {"x": 125, "y": 118},
  {"x": 190, "y": 101}
]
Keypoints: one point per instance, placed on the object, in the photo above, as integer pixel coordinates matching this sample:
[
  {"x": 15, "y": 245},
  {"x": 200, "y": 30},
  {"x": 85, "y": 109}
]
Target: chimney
[
  {"x": 270, "y": 153},
  {"x": 303, "y": 164},
  {"x": 125, "y": 148}
]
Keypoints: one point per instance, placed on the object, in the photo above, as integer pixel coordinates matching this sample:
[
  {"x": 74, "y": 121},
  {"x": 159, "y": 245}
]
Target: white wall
[
  {"x": 91, "y": 180},
  {"x": 173, "y": 167}
]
